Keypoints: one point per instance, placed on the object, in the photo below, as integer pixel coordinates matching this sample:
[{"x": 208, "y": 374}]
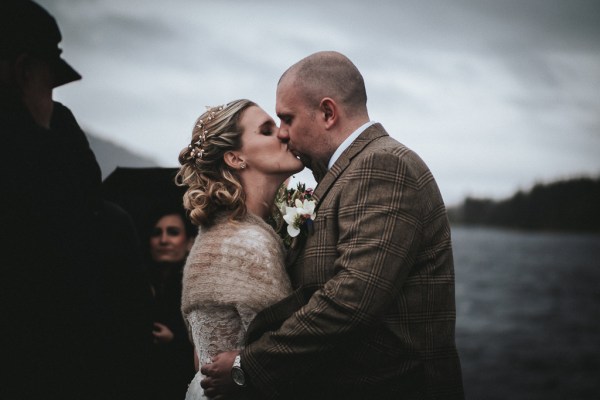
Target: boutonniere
[{"x": 298, "y": 212}]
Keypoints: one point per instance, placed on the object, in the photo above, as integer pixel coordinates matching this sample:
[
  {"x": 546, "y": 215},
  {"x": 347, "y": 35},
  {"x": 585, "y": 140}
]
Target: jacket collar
[{"x": 370, "y": 134}]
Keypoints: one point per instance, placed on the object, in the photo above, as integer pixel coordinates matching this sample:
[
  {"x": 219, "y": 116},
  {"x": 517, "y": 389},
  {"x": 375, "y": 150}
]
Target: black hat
[{"x": 25, "y": 27}]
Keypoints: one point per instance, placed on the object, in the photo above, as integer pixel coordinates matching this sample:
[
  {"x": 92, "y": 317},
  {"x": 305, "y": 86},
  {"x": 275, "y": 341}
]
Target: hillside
[
  {"x": 111, "y": 155},
  {"x": 570, "y": 205}
]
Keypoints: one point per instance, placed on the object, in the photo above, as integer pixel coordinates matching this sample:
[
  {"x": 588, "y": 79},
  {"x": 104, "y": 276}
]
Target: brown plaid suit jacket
[{"x": 373, "y": 313}]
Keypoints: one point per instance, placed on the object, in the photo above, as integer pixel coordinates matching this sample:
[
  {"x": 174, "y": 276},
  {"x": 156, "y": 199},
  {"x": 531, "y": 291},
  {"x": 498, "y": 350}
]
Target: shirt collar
[{"x": 346, "y": 143}]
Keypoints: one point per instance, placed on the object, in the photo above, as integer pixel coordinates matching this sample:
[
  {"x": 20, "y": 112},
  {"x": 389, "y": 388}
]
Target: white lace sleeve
[
  {"x": 247, "y": 314},
  {"x": 215, "y": 328}
]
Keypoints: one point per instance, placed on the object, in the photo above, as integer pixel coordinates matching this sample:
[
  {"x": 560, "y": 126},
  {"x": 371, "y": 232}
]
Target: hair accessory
[{"x": 197, "y": 147}]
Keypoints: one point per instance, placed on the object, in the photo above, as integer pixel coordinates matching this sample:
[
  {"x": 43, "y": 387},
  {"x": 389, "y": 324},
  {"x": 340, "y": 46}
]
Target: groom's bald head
[{"x": 328, "y": 74}]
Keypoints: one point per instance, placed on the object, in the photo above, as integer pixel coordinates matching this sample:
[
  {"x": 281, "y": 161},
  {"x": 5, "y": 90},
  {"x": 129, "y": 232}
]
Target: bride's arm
[{"x": 215, "y": 328}]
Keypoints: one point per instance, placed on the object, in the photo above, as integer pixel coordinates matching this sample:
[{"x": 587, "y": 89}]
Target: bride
[{"x": 233, "y": 169}]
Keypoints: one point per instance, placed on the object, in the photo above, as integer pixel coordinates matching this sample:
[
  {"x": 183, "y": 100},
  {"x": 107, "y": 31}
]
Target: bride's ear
[{"x": 233, "y": 160}]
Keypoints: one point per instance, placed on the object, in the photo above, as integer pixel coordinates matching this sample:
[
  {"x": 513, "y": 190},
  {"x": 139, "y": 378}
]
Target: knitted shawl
[{"x": 235, "y": 264}]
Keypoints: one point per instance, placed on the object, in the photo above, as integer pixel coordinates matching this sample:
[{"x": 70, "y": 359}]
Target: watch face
[{"x": 238, "y": 376}]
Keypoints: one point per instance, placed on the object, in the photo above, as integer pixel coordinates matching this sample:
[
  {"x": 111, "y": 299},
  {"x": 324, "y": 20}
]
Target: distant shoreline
[{"x": 567, "y": 205}]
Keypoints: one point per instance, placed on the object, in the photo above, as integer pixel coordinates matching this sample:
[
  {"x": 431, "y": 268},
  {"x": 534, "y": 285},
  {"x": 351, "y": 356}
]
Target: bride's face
[{"x": 261, "y": 150}]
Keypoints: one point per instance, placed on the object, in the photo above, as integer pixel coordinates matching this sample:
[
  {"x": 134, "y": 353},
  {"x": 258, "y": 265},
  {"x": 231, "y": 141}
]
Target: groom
[{"x": 373, "y": 313}]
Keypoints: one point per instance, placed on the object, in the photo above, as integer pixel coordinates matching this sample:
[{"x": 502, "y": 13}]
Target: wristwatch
[{"x": 237, "y": 373}]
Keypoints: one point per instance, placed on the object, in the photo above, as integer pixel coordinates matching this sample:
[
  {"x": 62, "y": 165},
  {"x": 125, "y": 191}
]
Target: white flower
[
  {"x": 297, "y": 211},
  {"x": 296, "y": 216},
  {"x": 290, "y": 217},
  {"x": 306, "y": 209}
]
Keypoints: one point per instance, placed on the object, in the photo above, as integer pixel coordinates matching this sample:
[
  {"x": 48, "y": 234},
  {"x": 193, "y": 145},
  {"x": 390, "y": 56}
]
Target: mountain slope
[{"x": 111, "y": 155}]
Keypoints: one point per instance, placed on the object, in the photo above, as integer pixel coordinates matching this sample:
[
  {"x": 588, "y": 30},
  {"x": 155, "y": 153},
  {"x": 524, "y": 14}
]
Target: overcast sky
[{"x": 495, "y": 95}]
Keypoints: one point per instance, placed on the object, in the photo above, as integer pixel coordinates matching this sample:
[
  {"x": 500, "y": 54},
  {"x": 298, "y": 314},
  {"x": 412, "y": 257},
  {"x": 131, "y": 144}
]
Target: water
[{"x": 528, "y": 314}]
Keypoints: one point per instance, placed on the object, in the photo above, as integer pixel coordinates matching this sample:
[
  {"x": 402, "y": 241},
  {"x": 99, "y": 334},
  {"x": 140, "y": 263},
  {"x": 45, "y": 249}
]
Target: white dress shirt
[{"x": 346, "y": 143}]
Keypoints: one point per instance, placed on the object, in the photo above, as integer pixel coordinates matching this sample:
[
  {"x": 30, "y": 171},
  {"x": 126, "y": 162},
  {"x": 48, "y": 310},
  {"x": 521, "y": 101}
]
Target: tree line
[{"x": 572, "y": 204}]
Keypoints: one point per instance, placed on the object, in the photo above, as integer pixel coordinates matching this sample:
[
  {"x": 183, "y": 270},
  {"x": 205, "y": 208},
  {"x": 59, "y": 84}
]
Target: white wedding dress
[{"x": 233, "y": 271}]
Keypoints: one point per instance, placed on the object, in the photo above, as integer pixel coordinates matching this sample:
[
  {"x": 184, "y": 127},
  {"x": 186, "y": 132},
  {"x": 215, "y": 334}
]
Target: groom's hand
[{"x": 217, "y": 382}]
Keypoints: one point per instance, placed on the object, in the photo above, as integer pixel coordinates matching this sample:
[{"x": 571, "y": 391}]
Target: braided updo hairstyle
[{"x": 213, "y": 186}]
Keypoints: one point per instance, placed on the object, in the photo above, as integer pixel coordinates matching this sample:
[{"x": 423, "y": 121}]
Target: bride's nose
[{"x": 283, "y": 135}]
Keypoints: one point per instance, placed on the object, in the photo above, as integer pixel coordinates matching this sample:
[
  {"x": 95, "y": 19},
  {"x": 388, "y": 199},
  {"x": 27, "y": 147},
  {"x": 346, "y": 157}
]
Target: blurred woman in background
[{"x": 170, "y": 239}]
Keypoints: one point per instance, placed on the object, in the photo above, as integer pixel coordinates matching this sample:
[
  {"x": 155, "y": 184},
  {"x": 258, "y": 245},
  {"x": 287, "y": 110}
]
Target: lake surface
[{"x": 528, "y": 314}]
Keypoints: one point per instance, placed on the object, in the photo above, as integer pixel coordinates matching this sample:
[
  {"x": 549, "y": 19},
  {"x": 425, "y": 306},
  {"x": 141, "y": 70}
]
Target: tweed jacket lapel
[{"x": 373, "y": 132}]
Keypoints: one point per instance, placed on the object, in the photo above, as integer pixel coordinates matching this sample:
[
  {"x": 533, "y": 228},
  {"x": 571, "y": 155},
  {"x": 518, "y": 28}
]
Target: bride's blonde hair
[{"x": 213, "y": 186}]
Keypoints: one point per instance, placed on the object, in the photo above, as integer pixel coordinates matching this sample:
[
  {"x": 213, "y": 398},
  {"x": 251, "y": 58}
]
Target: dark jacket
[
  {"x": 75, "y": 299},
  {"x": 172, "y": 363}
]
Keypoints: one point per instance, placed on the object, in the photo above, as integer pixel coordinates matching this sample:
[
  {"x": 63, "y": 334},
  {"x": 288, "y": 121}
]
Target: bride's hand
[{"x": 217, "y": 382}]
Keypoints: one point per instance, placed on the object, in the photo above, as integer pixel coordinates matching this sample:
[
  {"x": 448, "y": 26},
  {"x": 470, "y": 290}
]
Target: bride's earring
[{"x": 243, "y": 165}]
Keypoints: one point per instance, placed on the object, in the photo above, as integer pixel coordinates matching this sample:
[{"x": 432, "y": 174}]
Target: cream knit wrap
[{"x": 234, "y": 270}]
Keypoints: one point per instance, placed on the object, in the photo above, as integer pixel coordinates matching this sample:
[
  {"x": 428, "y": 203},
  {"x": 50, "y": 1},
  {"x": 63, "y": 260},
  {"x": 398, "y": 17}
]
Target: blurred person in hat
[
  {"x": 75, "y": 300},
  {"x": 30, "y": 59}
]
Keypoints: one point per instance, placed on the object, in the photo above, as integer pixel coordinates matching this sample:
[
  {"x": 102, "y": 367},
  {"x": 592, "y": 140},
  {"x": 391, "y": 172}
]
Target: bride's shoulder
[
  {"x": 248, "y": 227},
  {"x": 249, "y": 234}
]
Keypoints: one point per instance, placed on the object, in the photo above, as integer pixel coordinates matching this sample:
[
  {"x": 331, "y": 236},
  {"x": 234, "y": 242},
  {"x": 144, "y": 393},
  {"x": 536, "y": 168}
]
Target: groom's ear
[
  {"x": 329, "y": 112},
  {"x": 233, "y": 160}
]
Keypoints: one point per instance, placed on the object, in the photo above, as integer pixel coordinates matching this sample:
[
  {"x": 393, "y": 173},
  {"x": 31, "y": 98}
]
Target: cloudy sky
[{"x": 495, "y": 95}]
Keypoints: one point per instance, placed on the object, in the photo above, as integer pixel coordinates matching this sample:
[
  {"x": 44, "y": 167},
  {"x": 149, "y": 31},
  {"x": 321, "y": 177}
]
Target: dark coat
[
  {"x": 172, "y": 363},
  {"x": 75, "y": 298}
]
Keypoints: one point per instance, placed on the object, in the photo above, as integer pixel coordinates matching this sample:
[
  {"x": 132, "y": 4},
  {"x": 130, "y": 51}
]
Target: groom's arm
[{"x": 217, "y": 381}]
